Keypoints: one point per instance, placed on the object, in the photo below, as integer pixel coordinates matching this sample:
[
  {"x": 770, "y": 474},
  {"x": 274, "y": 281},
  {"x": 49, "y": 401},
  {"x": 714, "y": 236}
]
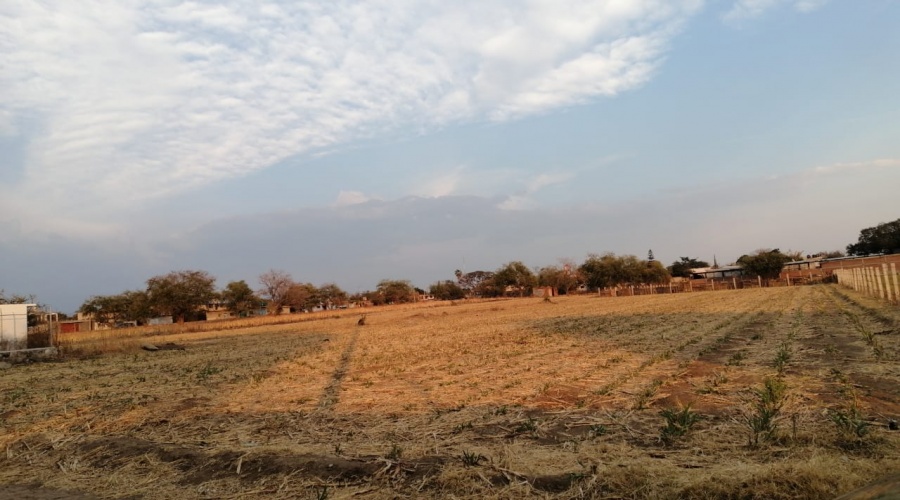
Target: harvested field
[{"x": 499, "y": 399}]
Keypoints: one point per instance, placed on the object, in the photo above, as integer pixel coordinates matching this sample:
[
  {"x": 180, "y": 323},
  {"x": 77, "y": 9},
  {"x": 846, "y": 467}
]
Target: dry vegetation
[{"x": 772, "y": 393}]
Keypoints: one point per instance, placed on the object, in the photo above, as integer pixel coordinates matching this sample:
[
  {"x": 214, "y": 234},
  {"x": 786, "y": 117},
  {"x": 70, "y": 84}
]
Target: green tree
[
  {"x": 764, "y": 263},
  {"x": 563, "y": 278},
  {"x": 395, "y": 291},
  {"x": 477, "y": 283},
  {"x": 682, "y": 267},
  {"x": 447, "y": 290},
  {"x": 516, "y": 276},
  {"x": 883, "y": 238},
  {"x": 332, "y": 295},
  {"x": 609, "y": 269},
  {"x": 239, "y": 298},
  {"x": 655, "y": 273},
  {"x": 111, "y": 309},
  {"x": 180, "y": 293}
]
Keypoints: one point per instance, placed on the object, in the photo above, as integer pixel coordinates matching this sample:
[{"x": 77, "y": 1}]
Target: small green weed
[
  {"x": 850, "y": 421},
  {"x": 598, "y": 430},
  {"x": 782, "y": 356},
  {"x": 737, "y": 359},
  {"x": 767, "y": 403},
  {"x": 679, "y": 422},
  {"x": 529, "y": 425},
  {"x": 472, "y": 459}
]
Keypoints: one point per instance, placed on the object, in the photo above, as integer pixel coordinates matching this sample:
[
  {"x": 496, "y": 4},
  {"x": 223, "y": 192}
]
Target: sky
[{"x": 351, "y": 142}]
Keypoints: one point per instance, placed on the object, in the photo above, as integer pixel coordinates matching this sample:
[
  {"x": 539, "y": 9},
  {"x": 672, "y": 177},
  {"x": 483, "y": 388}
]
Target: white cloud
[
  {"x": 135, "y": 102},
  {"x": 550, "y": 179},
  {"x": 749, "y": 9},
  {"x": 345, "y": 198},
  {"x": 444, "y": 184}
]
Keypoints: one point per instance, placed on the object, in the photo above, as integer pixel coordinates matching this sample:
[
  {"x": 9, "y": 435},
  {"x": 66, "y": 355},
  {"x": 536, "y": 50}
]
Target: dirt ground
[{"x": 494, "y": 399}]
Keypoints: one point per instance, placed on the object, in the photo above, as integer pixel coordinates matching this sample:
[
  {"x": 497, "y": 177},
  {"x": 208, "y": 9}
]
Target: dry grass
[{"x": 498, "y": 399}]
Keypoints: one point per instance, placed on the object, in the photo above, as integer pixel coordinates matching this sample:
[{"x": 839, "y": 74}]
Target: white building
[{"x": 14, "y": 326}]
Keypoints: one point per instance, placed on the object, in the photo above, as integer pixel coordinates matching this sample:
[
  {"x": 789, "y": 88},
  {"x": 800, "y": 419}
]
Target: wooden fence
[
  {"x": 715, "y": 284},
  {"x": 881, "y": 281}
]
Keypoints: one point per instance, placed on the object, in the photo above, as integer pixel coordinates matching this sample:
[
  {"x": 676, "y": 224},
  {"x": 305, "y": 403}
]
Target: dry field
[{"x": 577, "y": 398}]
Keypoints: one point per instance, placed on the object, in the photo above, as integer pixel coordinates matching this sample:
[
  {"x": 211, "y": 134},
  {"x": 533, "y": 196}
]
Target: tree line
[{"x": 183, "y": 294}]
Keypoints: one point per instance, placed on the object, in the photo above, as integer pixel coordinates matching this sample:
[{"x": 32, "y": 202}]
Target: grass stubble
[{"x": 773, "y": 393}]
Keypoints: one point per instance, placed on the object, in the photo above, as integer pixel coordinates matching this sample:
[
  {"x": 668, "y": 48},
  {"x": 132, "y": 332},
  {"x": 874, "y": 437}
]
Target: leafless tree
[{"x": 275, "y": 287}]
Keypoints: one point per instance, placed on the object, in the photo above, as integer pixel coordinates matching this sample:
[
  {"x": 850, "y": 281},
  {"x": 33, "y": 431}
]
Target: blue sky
[{"x": 354, "y": 141}]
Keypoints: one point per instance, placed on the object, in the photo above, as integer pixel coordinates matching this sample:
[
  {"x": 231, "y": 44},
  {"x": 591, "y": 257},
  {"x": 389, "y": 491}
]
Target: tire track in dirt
[{"x": 331, "y": 393}]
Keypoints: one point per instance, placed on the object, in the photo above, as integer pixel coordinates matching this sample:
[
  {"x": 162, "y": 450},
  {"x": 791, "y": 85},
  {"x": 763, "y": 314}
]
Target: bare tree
[{"x": 275, "y": 287}]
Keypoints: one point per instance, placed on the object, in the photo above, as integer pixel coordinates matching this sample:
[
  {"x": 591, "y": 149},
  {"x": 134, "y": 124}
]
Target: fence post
[
  {"x": 789, "y": 279},
  {"x": 759, "y": 280},
  {"x": 887, "y": 282},
  {"x": 896, "y": 279},
  {"x": 877, "y": 271}
]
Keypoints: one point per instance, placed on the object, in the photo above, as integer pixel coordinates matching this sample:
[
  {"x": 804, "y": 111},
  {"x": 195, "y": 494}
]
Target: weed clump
[
  {"x": 850, "y": 422},
  {"x": 679, "y": 422},
  {"x": 767, "y": 402}
]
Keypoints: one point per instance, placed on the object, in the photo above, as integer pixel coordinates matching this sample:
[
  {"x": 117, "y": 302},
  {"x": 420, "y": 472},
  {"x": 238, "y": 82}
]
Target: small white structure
[{"x": 14, "y": 326}]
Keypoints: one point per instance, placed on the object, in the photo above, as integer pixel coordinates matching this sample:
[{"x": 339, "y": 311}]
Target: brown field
[{"x": 499, "y": 399}]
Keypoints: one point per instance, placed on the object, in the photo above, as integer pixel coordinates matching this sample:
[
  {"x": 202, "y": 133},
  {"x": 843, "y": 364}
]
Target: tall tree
[
  {"x": 655, "y": 273},
  {"x": 180, "y": 293},
  {"x": 477, "y": 283},
  {"x": 332, "y": 295},
  {"x": 447, "y": 290},
  {"x": 516, "y": 276},
  {"x": 563, "y": 278},
  {"x": 682, "y": 267},
  {"x": 133, "y": 305},
  {"x": 395, "y": 291},
  {"x": 275, "y": 286},
  {"x": 302, "y": 297},
  {"x": 764, "y": 263},
  {"x": 609, "y": 269},
  {"x": 239, "y": 298},
  {"x": 883, "y": 238}
]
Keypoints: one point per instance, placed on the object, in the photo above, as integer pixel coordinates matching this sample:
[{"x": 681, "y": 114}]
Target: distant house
[
  {"x": 76, "y": 325},
  {"x": 543, "y": 291},
  {"x": 717, "y": 272},
  {"x": 160, "y": 320},
  {"x": 216, "y": 310},
  {"x": 806, "y": 264}
]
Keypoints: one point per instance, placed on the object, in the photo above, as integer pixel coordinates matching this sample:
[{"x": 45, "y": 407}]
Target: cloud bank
[{"x": 120, "y": 101}]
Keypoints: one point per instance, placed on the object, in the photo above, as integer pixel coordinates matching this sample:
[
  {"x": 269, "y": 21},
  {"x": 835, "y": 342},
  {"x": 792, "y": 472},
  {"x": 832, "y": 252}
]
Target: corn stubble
[{"x": 632, "y": 397}]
